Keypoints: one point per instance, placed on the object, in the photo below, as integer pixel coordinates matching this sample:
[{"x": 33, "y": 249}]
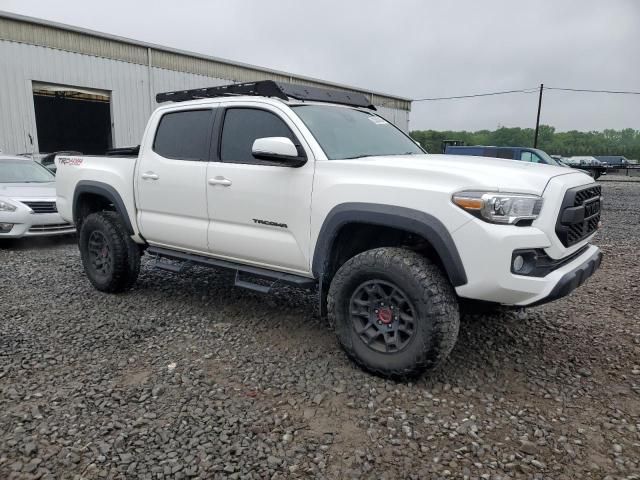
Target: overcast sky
[{"x": 411, "y": 48}]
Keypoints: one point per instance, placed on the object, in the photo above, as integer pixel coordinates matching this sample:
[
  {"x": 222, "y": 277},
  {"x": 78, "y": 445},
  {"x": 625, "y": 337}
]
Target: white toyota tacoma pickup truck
[{"x": 309, "y": 187}]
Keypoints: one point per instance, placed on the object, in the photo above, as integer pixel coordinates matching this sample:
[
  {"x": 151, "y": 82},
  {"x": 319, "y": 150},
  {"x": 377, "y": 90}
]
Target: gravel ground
[{"x": 186, "y": 376}]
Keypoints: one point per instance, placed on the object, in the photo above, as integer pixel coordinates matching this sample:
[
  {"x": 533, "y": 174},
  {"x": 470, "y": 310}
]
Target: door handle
[
  {"x": 225, "y": 182},
  {"x": 149, "y": 176}
]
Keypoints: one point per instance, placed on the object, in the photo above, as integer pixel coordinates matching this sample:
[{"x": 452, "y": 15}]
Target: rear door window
[{"x": 184, "y": 135}]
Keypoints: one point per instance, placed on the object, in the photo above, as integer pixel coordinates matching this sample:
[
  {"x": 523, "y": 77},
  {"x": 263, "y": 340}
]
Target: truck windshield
[
  {"x": 345, "y": 133},
  {"x": 23, "y": 171}
]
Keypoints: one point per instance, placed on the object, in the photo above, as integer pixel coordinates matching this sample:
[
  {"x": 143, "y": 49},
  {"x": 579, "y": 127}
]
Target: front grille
[
  {"x": 586, "y": 194},
  {"x": 42, "y": 207},
  {"x": 579, "y": 215},
  {"x": 53, "y": 227}
]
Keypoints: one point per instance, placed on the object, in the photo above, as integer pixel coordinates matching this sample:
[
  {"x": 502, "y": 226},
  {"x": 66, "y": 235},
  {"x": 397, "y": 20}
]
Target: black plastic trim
[
  {"x": 280, "y": 277},
  {"x": 573, "y": 279},
  {"x": 107, "y": 191},
  {"x": 414, "y": 221},
  {"x": 539, "y": 264},
  {"x": 282, "y": 160},
  {"x": 577, "y": 215}
]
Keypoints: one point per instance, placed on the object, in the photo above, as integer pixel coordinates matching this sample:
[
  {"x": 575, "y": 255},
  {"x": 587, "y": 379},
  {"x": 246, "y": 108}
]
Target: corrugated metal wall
[
  {"x": 128, "y": 83},
  {"x": 133, "y": 84},
  {"x": 71, "y": 41},
  {"x": 63, "y": 37}
]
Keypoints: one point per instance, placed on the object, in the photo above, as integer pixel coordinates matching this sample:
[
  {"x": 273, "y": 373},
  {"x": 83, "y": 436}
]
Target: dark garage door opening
[{"x": 70, "y": 118}]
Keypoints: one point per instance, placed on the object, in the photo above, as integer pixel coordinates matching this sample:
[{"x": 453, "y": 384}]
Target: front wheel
[
  {"x": 395, "y": 312},
  {"x": 110, "y": 258}
]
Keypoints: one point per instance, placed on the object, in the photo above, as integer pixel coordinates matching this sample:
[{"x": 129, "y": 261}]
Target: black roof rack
[{"x": 270, "y": 88}]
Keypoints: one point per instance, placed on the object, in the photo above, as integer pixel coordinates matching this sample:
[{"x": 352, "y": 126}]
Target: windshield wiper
[
  {"x": 396, "y": 154},
  {"x": 358, "y": 156}
]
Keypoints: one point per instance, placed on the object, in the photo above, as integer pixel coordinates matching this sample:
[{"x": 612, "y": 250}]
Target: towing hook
[{"x": 521, "y": 313}]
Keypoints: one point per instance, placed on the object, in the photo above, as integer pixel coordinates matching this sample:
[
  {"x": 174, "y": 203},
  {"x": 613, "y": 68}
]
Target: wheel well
[
  {"x": 355, "y": 238},
  {"x": 88, "y": 203}
]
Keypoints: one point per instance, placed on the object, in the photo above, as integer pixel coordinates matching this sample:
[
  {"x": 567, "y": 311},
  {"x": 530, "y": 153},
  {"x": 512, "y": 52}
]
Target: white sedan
[{"x": 28, "y": 200}]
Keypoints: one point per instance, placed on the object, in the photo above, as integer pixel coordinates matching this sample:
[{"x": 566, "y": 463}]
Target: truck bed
[{"x": 76, "y": 176}]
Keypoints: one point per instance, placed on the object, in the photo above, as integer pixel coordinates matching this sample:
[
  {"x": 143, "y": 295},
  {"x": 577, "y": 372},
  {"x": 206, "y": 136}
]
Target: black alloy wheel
[
  {"x": 382, "y": 315},
  {"x": 100, "y": 255}
]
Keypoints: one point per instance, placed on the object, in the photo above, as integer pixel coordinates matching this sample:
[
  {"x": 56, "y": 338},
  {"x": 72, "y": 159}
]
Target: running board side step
[
  {"x": 171, "y": 267},
  {"x": 241, "y": 271}
]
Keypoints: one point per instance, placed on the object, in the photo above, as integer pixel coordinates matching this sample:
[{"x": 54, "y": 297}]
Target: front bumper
[
  {"x": 26, "y": 224},
  {"x": 573, "y": 279},
  {"x": 486, "y": 252}
]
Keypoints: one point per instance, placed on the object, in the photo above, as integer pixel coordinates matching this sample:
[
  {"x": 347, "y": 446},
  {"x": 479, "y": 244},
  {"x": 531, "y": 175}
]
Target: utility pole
[{"x": 535, "y": 140}]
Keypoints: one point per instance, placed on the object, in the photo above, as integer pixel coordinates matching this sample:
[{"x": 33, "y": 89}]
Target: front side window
[
  {"x": 242, "y": 126},
  {"x": 23, "y": 171},
  {"x": 345, "y": 133},
  {"x": 184, "y": 135}
]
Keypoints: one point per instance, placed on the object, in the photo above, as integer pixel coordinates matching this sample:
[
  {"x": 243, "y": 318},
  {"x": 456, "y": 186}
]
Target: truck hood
[
  {"x": 469, "y": 172},
  {"x": 28, "y": 191}
]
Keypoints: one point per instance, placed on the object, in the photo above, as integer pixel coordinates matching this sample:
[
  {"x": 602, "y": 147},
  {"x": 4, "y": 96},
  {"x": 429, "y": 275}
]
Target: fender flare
[
  {"x": 106, "y": 191},
  {"x": 414, "y": 221}
]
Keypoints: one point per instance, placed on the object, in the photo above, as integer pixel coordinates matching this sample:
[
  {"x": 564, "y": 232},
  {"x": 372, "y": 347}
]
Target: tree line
[{"x": 608, "y": 142}]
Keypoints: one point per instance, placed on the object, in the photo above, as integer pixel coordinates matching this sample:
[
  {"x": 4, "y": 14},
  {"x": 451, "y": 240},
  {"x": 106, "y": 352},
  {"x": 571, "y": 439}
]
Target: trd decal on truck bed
[
  {"x": 267, "y": 222},
  {"x": 70, "y": 160}
]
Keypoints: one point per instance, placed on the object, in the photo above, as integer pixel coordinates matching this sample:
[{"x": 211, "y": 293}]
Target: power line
[
  {"x": 526, "y": 90},
  {"x": 592, "y": 91},
  {"x": 504, "y": 92}
]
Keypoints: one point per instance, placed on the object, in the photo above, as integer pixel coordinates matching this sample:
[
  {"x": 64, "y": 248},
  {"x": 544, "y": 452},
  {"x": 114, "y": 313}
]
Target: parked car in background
[
  {"x": 583, "y": 161},
  {"x": 592, "y": 165},
  {"x": 613, "y": 160},
  {"x": 526, "y": 154},
  {"x": 28, "y": 200}
]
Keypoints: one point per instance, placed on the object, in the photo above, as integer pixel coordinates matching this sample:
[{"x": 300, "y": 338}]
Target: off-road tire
[
  {"x": 424, "y": 285},
  {"x": 124, "y": 252}
]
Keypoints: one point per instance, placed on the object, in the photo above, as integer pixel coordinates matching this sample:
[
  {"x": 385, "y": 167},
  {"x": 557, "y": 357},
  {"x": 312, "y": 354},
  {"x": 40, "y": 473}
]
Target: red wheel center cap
[
  {"x": 104, "y": 252},
  {"x": 385, "y": 315}
]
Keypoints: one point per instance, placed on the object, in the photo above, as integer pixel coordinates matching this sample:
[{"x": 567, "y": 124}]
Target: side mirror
[{"x": 278, "y": 149}]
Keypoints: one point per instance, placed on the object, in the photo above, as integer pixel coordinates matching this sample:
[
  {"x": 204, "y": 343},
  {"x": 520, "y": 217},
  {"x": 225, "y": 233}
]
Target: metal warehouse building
[{"x": 64, "y": 87}]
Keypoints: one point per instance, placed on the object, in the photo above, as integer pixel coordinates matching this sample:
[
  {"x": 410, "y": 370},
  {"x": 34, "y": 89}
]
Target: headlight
[
  {"x": 6, "y": 206},
  {"x": 494, "y": 207}
]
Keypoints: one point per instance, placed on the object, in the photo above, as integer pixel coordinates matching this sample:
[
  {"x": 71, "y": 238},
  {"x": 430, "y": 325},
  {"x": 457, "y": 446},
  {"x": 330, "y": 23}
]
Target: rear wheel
[
  {"x": 394, "y": 311},
  {"x": 110, "y": 258}
]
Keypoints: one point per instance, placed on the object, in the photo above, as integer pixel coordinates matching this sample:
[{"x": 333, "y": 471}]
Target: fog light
[
  {"x": 5, "y": 227},
  {"x": 518, "y": 263}
]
